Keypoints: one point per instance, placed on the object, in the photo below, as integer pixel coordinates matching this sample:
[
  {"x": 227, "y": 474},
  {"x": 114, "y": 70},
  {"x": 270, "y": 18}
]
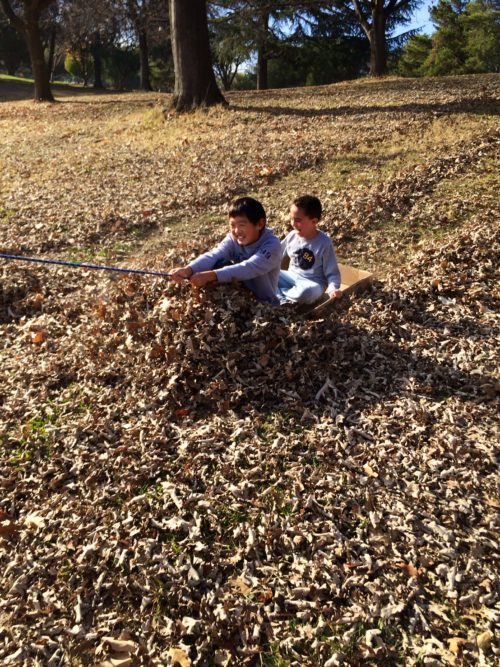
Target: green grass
[
  {"x": 21, "y": 79},
  {"x": 28, "y": 81},
  {"x": 6, "y": 214},
  {"x": 273, "y": 658}
]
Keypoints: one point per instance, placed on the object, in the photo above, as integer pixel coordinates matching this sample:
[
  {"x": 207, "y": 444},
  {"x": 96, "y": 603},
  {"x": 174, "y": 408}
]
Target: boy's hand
[
  {"x": 202, "y": 278},
  {"x": 181, "y": 273},
  {"x": 335, "y": 294}
]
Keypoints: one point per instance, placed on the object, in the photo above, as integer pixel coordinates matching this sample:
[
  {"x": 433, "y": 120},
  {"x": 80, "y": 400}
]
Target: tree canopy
[
  {"x": 128, "y": 43},
  {"x": 466, "y": 40}
]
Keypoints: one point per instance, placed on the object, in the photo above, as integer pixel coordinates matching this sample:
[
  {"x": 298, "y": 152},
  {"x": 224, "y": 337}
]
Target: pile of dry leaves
[{"x": 194, "y": 477}]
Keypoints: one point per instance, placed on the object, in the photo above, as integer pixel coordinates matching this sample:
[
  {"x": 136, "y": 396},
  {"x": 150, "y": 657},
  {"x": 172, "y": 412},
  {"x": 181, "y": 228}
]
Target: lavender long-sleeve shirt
[
  {"x": 314, "y": 259},
  {"x": 257, "y": 264}
]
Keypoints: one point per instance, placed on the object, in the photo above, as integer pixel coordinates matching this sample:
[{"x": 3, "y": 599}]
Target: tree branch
[
  {"x": 361, "y": 16},
  {"x": 14, "y": 19}
]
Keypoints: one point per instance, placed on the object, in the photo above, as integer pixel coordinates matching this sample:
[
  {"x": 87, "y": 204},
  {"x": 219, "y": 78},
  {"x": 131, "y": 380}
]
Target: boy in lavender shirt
[
  {"x": 313, "y": 265},
  {"x": 250, "y": 253}
]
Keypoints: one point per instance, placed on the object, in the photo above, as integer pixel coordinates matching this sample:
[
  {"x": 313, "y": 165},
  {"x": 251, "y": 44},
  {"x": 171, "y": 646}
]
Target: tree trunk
[
  {"x": 43, "y": 92},
  {"x": 30, "y": 30},
  {"x": 144, "y": 60},
  {"x": 262, "y": 52},
  {"x": 376, "y": 37},
  {"x": 375, "y": 31},
  {"x": 262, "y": 83},
  {"x": 97, "y": 59},
  {"x": 52, "y": 50},
  {"x": 195, "y": 84}
]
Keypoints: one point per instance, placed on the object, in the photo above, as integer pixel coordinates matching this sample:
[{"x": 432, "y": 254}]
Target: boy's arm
[
  {"x": 206, "y": 261},
  {"x": 284, "y": 246},
  {"x": 266, "y": 259},
  {"x": 331, "y": 269}
]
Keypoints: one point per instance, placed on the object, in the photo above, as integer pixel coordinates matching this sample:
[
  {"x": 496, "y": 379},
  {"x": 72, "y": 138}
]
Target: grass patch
[
  {"x": 30, "y": 82},
  {"x": 20, "y": 79},
  {"x": 273, "y": 658},
  {"x": 6, "y": 214}
]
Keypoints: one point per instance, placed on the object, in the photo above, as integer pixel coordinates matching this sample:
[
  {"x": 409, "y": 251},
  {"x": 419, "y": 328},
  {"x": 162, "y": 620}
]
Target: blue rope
[{"x": 80, "y": 265}]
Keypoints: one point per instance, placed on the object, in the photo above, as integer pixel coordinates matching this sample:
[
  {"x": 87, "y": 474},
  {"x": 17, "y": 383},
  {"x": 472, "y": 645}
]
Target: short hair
[
  {"x": 249, "y": 207},
  {"x": 310, "y": 204}
]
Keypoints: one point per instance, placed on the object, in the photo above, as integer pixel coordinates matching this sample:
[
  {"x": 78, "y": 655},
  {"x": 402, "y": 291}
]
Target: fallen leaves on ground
[
  {"x": 177, "y": 479},
  {"x": 191, "y": 477}
]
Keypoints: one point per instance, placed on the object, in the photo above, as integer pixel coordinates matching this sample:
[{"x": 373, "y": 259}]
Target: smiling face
[
  {"x": 245, "y": 232},
  {"x": 302, "y": 223}
]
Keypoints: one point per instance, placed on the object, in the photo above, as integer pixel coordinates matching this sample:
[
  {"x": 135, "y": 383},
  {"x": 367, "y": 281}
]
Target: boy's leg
[
  {"x": 295, "y": 289},
  {"x": 286, "y": 281}
]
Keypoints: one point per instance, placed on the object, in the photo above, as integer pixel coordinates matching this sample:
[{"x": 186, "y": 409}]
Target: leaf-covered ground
[{"x": 195, "y": 479}]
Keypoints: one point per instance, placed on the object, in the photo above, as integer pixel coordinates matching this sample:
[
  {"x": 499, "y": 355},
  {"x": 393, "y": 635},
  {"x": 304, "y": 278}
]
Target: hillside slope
[{"x": 193, "y": 478}]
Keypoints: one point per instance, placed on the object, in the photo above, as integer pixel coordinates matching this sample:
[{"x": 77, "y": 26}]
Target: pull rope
[{"x": 81, "y": 265}]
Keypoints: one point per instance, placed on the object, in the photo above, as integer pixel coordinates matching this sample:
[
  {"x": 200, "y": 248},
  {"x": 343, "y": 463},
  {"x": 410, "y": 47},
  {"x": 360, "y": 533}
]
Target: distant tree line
[
  {"x": 467, "y": 39},
  {"x": 122, "y": 42},
  {"x": 199, "y": 47}
]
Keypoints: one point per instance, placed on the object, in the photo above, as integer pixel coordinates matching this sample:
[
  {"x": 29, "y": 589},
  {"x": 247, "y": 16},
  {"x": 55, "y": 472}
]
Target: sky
[{"x": 421, "y": 18}]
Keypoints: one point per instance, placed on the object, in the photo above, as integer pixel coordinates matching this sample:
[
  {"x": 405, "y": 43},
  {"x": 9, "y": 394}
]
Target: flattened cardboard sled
[{"x": 352, "y": 281}]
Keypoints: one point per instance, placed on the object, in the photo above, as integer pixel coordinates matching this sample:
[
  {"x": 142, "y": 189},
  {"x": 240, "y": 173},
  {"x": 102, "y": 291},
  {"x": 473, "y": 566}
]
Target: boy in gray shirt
[
  {"x": 313, "y": 264},
  {"x": 250, "y": 253}
]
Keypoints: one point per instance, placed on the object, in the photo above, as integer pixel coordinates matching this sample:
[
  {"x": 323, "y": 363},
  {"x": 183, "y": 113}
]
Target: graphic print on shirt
[{"x": 304, "y": 258}]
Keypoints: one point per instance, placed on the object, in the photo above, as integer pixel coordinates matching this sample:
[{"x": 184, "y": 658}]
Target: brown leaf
[
  {"x": 455, "y": 644},
  {"x": 8, "y": 528},
  {"x": 484, "y": 639},
  {"x": 180, "y": 657},
  {"x": 38, "y": 337},
  {"x": 264, "y": 360}
]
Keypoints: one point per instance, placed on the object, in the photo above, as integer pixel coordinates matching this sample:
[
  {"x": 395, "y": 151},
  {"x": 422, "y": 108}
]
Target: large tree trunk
[
  {"x": 375, "y": 31},
  {"x": 376, "y": 37},
  {"x": 96, "y": 50},
  {"x": 195, "y": 84},
  {"x": 262, "y": 52},
  {"x": 144, "y": 60},
  {"x": 41, "y": 75},
  {"x": 262, "y": 83},
  {"x": 29, "y": 28}
]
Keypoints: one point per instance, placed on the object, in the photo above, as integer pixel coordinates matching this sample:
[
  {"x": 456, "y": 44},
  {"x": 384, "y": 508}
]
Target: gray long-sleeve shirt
[
  {"x": 313, "y": 259},
  {"x": 257, "y": 264}
]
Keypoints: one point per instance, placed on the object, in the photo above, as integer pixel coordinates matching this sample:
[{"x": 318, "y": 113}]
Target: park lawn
[{"x": 204, "y": 479}]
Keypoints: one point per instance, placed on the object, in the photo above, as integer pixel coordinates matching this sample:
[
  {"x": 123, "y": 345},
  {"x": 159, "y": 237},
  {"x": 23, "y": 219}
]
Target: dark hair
[
  {"x": 310, "y": 204},
  {"x": 249, "y": 207}
]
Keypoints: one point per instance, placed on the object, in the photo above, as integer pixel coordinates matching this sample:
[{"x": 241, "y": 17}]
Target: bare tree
[
  {"x": 137, "y": 11},
  {"x": 195, "y": 84},
  {"x": 86, "y": 28},
  {"x": 24, "y": 16}
]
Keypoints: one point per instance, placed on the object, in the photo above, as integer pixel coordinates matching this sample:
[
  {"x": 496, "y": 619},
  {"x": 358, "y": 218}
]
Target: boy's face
[
  {"x": 302, "y": 223},
  {"x": 244, "y": 231}
]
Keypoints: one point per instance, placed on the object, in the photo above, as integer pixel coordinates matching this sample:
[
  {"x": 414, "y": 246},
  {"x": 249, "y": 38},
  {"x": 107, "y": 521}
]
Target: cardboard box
[{"x": 352, "y": 281}]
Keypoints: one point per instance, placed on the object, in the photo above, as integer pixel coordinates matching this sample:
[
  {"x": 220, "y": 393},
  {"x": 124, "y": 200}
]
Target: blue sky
[{"x": 422, "y": 19}]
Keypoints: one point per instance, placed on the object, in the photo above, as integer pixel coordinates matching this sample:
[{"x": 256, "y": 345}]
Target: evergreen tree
[
  {"x": 378, "y": 18},
  {"x": 481, "y": 25},
  {"x": 448, "y": 54},
  {"x": 414, "y": 56}
]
